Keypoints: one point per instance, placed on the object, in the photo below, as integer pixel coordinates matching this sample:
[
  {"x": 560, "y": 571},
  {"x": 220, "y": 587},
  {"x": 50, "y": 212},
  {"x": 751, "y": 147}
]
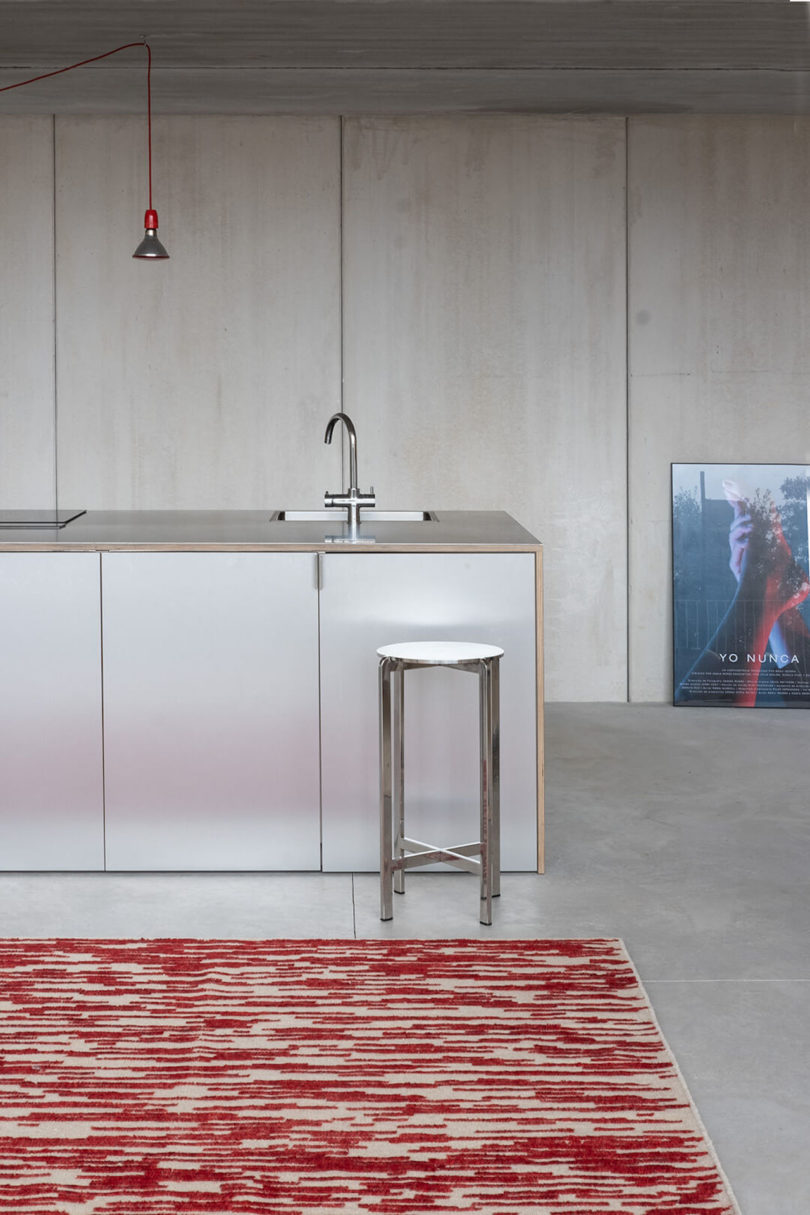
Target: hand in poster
[
  {"x": 764, "y": 613},
  {"x": 761, "y": 559}
]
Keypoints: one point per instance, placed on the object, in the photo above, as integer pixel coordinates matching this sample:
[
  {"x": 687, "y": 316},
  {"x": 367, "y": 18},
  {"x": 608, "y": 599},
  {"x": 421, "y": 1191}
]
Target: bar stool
[{"x": 397, "y": 851}]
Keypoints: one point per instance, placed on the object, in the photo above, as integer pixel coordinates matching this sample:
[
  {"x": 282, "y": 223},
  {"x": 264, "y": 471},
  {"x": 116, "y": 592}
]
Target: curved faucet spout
[
  {"x": 352, "y": 499},
  {"x": 352, "y": 433}
]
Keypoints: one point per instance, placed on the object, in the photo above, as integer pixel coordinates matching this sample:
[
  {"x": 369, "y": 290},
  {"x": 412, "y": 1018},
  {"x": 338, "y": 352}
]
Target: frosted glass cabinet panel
[
  {"x": 211, "y": 711},
  {"x": 372, "y": 599},
  {"x": 51, "y": 793}
]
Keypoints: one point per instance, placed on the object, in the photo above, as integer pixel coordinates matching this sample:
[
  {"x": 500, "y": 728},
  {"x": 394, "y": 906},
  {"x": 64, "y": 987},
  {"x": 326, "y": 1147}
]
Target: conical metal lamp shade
[{"x": 150, "y": 246}]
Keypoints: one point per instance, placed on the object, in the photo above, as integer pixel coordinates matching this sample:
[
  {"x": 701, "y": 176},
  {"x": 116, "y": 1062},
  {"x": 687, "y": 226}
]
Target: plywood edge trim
[{"x": 541, "y": 780}]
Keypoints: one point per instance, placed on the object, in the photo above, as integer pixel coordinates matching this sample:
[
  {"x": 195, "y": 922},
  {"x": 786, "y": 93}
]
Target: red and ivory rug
[{"x": 398, "y": 1077}]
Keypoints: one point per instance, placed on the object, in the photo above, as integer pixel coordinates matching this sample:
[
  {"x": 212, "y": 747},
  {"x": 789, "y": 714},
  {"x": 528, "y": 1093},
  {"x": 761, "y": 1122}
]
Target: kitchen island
[{"x": 196, "y": 690}]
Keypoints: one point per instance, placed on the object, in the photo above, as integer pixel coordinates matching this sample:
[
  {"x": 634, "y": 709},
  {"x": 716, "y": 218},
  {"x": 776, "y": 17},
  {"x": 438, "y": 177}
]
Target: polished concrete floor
[{"x": 684, "y": 831}]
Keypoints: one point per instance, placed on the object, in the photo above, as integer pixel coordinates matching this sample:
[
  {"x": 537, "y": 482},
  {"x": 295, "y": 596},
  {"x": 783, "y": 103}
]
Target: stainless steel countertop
[{"x": 256, "y": 530}]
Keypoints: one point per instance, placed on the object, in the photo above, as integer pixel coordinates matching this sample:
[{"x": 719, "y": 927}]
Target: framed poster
[{"x": 740, "y": 584}]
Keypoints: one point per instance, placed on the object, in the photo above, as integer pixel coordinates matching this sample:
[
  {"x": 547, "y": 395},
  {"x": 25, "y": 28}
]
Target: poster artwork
[{"x": 741, "y": 589}]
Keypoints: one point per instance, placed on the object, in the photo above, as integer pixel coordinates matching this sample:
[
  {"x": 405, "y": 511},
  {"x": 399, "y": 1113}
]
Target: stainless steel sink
[{"x": 370, "y": 514}]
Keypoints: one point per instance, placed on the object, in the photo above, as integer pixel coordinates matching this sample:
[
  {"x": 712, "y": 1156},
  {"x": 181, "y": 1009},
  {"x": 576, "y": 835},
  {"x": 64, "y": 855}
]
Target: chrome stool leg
[
  {"x": 386, "y": 842},
  {"x": 399, "y": 776},
  {"x": 490, "y": 747},
  {"x": 495, "y": 822},
  {"x": 485, "y": 743}
]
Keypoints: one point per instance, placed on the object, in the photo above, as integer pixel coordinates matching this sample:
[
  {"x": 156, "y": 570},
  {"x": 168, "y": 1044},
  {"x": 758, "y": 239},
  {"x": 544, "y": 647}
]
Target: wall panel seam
[
  {"x": 341, "y": 292},
  {"x": 54, "y": 317},
  {"x": 627, "y": 399}
]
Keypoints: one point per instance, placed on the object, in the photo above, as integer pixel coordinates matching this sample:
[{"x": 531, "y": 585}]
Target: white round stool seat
[{"x": 438, "y": 653}]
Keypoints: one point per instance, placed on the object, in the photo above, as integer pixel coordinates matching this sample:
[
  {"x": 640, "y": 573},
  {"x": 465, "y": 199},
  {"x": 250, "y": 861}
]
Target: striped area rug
[{"x": 399, "y": 1077}]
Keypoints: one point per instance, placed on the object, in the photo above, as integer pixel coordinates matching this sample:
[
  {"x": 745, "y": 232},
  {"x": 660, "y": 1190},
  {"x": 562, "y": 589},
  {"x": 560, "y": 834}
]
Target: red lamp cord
[
  {"x": 127, "y": 46},
  {"x": 149, "y": 113}
]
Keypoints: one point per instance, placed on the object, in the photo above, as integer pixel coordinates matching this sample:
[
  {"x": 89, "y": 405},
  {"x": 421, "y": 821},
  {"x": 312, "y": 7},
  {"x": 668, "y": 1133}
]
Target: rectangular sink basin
[{"x": 338, "y": 515}]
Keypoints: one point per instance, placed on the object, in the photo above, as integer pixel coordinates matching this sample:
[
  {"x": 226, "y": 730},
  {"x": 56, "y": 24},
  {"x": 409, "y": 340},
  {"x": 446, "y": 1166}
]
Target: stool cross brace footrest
[{"x": 416, "y": 853}]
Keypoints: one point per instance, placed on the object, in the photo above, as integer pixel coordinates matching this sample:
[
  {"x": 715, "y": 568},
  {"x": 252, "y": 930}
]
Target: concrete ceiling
[{"x": 411, "y": 56}]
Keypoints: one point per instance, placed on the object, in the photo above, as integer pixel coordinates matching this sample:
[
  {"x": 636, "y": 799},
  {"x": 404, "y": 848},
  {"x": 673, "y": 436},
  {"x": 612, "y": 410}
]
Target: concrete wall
[
  {"x": 468, "y": 275},
  {"x": 27, "y": 389},
  {"x": 719, "y": 361},
  {"x": 201, "y": 381},
  {"x": 484, "y": 338}
]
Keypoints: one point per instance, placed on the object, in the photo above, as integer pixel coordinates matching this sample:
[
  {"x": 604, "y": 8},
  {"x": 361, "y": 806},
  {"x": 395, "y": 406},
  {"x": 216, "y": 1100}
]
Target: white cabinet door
[
  {"x": 211, "y": 711},
  {"x": 372, "y": 599},
  {"x": 51, "y": 807}
]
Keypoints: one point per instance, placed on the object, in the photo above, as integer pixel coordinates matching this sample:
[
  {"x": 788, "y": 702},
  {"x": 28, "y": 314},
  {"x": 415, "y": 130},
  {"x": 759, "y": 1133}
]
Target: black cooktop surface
[{"x": 38, "y": 518}]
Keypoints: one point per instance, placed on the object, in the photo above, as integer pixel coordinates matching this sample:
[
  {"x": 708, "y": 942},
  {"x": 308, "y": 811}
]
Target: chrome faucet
[{"x": 351, "y": 498}]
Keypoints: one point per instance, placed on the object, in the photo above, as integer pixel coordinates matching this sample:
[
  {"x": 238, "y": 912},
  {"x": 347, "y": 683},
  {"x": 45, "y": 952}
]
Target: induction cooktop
[{"x": 38, "y": 518}]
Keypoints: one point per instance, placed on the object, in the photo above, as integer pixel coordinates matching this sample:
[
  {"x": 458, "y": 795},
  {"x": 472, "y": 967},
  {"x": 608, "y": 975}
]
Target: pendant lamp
[{"x": 150, "y": 247}]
